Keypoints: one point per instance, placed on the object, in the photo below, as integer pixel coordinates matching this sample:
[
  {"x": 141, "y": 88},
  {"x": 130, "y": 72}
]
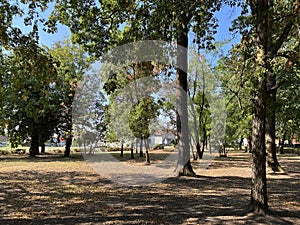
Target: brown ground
[{"x": 54, "y": 190}]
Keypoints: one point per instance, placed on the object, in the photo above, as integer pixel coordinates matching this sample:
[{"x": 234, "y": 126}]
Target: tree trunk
[
  {"x": 241, "y": 144},
  {"x": 195, "y": 156},
  {"x": 131, "y": 151},
  {"x": 281, "y": 147},
  {"x": 196, "y": 132},
  {"x": 259, "y": 201},
  {"x": 122, "y": 150},
  {"x": 43, "y": 148},
  {"x": 147, "y": 150},
  {"x": 181, "y": 102},
  {"x": 68, "y": 147},
  {"x": 136, "y": 145},
  {"x": 249, "y": 144},
  {"x": 204, "y": 142},
  {"x": 141, "y": 148},
  {"x": 34, "y": 145},
  {"x": 199, "y": 152},
  {"x": 272, "y": 161},
  {"x": 223, "y": 150}
]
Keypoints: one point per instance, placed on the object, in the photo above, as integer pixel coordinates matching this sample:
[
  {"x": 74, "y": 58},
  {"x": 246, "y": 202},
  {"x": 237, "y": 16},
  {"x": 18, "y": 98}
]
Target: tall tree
[
  {"x": 96, "y": 26},
  {"x": 236, "y": 77},
  {"x": 267, "y": 31},
  {"x": 139, "y": 120},
  {"x": 70, "y": 62},
  {"x": 288, "y": 104},
  {"x": 201, "y": 87},
  {"x": 31, "y": 103}
]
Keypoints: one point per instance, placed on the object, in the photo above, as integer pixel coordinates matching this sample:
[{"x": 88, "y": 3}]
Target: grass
[{"x": 51, "y": 189}]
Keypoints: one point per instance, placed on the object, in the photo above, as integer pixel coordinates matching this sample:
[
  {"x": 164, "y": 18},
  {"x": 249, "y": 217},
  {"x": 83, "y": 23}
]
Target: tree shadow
[
  {"x": 48, "y": 157},
  {"x": 41, "y": 197}
]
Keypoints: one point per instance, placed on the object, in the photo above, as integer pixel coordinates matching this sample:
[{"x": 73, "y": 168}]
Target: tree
[
  {"x": 97, "y": 27},
  {"x": 20, "y": 118},
  {"x": 31, "y": 103},
  {"x": 201, "y": 88},
  {"x": 266, "y": 33},
  {"x": 236, "y": 77},
  {"x": 139, "y": 120},
  {"x": 287, "y": 114},
  {"x": 132, "y": 104},
  {"x": 70, "y": 64}
]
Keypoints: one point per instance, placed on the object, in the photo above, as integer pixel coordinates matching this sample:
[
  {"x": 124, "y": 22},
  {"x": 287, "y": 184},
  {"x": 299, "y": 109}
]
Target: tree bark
[
  {"x": 186, "y": 168},
  {"x": 241, "y": 144},
  {"x": 199, "y": 152},
  {"x": 131, "y": 151},
  {"x": 204, "y": 142},
  {"x": 122, "y": 150},
  {"x": 43, "y": 148},
  {"x": 68, "y": 147},
  {"x": 141, "y": 148},
  {"x": 259, "y": 200},
  {"x": 223, "y": 150},
  {"x": 136, "y": 145},
  {"x": 147, "y": 150},
  {"x": 249, "y": 143},
  {"x": 34, "y": 145},
  {"x": 272, "y": 161},
  {"x": 281, "y": 143}
]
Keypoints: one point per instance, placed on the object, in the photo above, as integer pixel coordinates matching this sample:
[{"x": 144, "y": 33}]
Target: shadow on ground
[{"x": 37, "y": 196}]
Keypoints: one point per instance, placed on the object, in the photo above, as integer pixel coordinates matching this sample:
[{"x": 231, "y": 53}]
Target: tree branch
[{"x": 286, "y": 29}]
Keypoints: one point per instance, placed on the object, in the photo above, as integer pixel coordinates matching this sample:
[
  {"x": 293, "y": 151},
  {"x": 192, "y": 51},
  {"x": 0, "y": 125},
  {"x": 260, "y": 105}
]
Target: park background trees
[{"x": 265, "y": 64}]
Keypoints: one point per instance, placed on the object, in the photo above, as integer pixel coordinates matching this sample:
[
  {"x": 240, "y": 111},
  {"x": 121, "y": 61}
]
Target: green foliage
[
  {"x": 246, "y": 64},
  {"x": 70, "y": 62},
  {"x": 201, "y": 89},
  {"x": 31, "y": 101},
  {"x": 238, "y": 82},
  {"x": 140, "y": 116},
  {"x": 288, "y": 103},
  {"x": 104, "y": 25}
]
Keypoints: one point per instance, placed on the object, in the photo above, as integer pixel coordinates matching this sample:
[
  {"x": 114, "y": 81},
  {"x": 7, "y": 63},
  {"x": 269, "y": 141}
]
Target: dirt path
[{"x": 53, "y": 190}]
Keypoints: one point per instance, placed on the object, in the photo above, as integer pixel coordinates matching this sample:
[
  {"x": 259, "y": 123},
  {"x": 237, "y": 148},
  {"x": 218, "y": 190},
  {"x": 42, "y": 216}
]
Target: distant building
[{"x": 162, "y": 137}]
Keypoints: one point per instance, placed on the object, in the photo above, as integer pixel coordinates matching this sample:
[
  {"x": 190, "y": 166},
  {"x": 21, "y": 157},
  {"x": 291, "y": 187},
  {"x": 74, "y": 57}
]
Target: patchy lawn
[{"x": 53, "y": 190}]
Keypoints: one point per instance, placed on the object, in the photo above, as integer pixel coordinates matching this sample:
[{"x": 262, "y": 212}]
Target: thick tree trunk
[
  {"x": 181, "y": 101},
  {"x": 34, "y": 145},
  {"x": 43, "y": 148},
  {"x": 259, "y": 200},
  {"x": 68, "y": 147}
]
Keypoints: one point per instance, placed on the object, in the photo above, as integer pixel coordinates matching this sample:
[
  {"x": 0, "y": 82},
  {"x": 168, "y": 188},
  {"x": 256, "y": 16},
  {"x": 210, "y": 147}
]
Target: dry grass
[{"x": 55, "y": 190}]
